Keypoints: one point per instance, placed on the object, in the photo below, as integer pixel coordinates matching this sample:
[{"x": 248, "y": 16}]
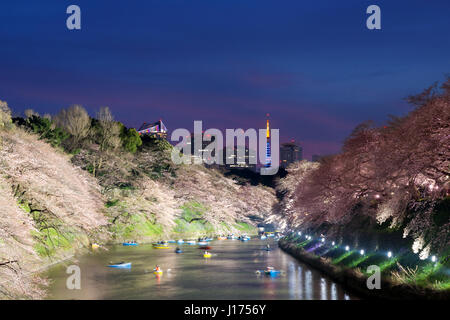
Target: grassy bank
[{"x": 403, "y": 276}]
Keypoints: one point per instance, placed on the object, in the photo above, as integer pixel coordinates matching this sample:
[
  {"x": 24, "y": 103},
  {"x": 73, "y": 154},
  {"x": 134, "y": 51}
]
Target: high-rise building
[
  {"x": 198, "y": 150},
  {"x": 290, "y": 152},
  {"x": 268, "y": 162},
  {"x": 231, "y": 160}
]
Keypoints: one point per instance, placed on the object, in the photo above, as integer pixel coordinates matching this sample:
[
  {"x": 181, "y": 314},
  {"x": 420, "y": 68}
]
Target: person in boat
[
  {"x": 157, "y": 268},
  {"x": 268, "y": 246},
  {"x": 268, "y": 269},
  {"x": 206, "y": 252}
]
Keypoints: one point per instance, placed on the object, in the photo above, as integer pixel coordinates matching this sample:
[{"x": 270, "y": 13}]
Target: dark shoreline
[{"x": 356, "y": 283}]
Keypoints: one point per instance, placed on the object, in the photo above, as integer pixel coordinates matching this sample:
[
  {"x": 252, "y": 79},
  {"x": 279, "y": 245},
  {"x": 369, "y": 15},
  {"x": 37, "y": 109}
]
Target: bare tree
[
  {"x": 74, "y": 120},
  {"x": 107, "y": 135},
  {"x": 30, "y": 112},
  {"x": 109, "y": 130},
  {"x": 5, "y": 115}
]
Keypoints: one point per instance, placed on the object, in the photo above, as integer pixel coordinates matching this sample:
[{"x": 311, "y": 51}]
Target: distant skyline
[{"x": 314, "y": 66}]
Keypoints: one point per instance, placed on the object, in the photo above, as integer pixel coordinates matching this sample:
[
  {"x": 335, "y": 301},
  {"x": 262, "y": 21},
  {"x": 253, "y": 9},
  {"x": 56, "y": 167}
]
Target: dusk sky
[{"x": 313, "y": 65}]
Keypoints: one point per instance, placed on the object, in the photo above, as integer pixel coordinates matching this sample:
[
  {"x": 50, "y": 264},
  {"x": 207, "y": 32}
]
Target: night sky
[{"x": 313, "y": 65}]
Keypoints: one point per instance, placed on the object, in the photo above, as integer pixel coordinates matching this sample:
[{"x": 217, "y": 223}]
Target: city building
[
  {"x": 231, "y": 160},
  {"x": 202, "y": 146},
  {"x": 290, "y": 152},
  {"x": 250, "y": 156},
  {"x": 268, "y": 162},
  {"x": 155, "y": 129}
]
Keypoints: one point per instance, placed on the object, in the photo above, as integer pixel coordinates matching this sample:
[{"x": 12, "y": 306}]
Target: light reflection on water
[{"x": 229, "y": 274}]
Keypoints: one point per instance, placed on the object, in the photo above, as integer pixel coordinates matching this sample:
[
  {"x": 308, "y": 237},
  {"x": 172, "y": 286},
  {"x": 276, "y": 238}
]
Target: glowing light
[
  {"x": 377, "y": 196},
  {"x": 299, "y": 233},
  {"x": 389, "y": 254},
  {"x": 362, "y": 252},
  {"x": 347, "y": 248},
  {"x": 433, "y": 258},
  {"x": 333, "y": 243},
  {"x": 323, "y": 240}
]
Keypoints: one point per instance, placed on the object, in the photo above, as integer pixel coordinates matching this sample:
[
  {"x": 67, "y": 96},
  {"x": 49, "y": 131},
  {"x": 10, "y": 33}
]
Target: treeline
[
  {"x": 396, "y": 175},
  {"x": 72, "y": 129}
]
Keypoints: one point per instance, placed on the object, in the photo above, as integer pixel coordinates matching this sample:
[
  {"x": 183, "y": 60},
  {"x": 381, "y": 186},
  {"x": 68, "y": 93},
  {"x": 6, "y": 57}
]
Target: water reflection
[{"x": 229, "y": 274}]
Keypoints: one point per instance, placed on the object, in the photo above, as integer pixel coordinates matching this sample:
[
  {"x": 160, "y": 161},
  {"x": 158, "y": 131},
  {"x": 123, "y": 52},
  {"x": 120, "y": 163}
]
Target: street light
[
  {"x": 389, "y": 254},
  {"x": 333, "y": 243},
  {"x": 347, "y": 248},
  {"x": 362, "y": 252},
  {"x": 433, "y": 259}
]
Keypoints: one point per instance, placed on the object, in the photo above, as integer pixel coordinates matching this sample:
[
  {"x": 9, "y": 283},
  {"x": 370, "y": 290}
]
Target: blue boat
[
  {"x": 180, "y": 241},
  {"x": 171, "y": 241},
  {"x": 123, "y": 265},
  {"x": 129, "y": 244},
  {"x": 202, "y": 243},
  {"x": 178, "y": 251},
  {"x": 270, "y": 273}
]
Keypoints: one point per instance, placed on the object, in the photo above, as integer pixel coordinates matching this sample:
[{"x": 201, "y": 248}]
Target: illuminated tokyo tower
[{"x": 268, "y": 153}]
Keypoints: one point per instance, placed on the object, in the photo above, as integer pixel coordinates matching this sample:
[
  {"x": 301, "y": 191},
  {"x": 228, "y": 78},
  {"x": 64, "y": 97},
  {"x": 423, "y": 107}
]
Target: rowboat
[
  {"x": 202, "y": 243},
  {"x": 158, "y": 273},
  {"x": 271, "y": 273},
  {"x": 129, "y": 244},
  {"x": 122, "y": 265},
  {"x": 160, "y": 246},
  {"x": 207, "y": 255},
  {"x": 190, "y": 242}
]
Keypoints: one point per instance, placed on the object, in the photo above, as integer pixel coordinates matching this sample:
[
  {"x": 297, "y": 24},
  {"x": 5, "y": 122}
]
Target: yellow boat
[
  {"x": 207, "y": 255},
  {"x": 95, "y": 246},
  {"x": 160, "y": 245},
  {"x": 158, "y": 273},
  {"x": 221, "y": 238}
]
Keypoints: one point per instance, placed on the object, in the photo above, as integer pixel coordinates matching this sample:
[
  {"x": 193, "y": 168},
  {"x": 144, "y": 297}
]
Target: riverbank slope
[{"x": 56, "y": 202}]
